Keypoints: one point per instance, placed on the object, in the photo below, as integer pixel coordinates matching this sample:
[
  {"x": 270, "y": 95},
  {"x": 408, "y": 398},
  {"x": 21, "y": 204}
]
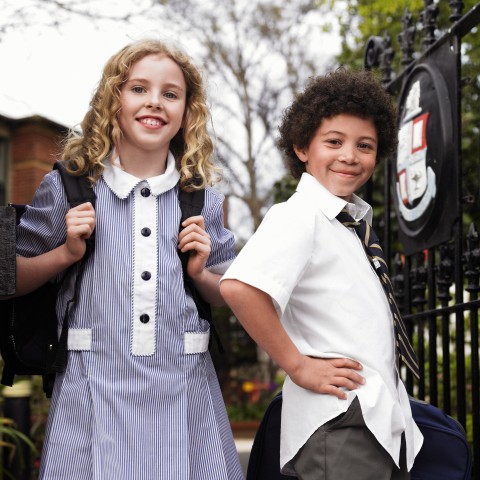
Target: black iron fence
[{"x": 430, "y": 215}]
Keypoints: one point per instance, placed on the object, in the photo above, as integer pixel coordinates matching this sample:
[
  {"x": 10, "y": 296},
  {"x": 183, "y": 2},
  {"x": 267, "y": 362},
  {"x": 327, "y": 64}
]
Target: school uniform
[
  {"x": 139, "y": 398},
  {"x": 331, "y": 303}
]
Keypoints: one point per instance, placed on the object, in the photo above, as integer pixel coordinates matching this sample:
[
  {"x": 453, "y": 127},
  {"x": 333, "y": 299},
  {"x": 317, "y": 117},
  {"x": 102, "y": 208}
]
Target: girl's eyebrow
[{"x": 144, "y": 80}]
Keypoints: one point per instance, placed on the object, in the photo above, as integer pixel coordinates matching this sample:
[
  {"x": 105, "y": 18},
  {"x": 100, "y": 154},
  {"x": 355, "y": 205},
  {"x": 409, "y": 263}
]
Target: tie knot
[{"x": 346, "y": 219}]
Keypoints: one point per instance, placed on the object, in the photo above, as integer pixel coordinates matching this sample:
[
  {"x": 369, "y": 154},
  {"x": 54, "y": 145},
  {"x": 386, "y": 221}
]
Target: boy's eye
[
  {"x": 365, "y": 146},
  {"x": 334, "y": 141},
  {"x": 138, "y": 89}
]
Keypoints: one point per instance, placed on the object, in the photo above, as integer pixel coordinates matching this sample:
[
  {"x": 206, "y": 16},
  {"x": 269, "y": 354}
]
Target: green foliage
[
  {"x": 11, "y": 439},
  {"x": 250, "y": 395},
  {"x": 284, "y": 188}
]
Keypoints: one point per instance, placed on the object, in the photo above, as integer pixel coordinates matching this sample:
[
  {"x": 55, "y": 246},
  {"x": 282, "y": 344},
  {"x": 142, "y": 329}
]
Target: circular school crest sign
[{"x": 423, "y": 165}]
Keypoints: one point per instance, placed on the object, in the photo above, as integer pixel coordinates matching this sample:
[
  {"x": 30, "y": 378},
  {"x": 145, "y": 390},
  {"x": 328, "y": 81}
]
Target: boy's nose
[{"x": 347, "y": 155}]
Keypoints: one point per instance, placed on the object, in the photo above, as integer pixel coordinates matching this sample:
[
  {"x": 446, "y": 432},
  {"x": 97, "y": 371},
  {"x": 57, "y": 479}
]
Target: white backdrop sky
[{"x": 53, "y": 71}]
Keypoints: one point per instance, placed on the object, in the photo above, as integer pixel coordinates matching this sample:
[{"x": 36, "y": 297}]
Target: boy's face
[{"x": 342, "y": 153}]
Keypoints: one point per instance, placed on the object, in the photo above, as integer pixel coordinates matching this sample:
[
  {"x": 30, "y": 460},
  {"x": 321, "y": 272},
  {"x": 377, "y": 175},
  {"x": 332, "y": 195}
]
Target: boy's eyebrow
[{"x": 337, "y": 132}]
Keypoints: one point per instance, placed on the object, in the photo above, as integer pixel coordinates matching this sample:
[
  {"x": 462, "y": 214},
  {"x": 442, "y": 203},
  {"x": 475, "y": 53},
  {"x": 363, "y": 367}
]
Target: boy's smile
[{"x": 342, "y": 153}]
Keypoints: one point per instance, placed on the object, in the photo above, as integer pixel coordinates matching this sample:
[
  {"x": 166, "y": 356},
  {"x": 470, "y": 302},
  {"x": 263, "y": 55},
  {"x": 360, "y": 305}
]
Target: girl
[{"x": 139, "y": 398}]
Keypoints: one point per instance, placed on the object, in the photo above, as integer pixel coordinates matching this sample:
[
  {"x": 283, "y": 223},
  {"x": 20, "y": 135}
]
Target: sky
[{"x": 52, "y": 72}]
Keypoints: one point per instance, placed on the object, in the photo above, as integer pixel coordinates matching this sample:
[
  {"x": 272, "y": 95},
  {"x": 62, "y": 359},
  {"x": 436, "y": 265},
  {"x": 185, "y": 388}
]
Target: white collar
[
  {"x": 122, "y": 183},
  {"x": 330, "y": 204}
]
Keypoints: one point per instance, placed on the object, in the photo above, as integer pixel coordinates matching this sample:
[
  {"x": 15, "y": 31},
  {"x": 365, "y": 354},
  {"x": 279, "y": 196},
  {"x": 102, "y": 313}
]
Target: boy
[{"x": 305, "y": 290}]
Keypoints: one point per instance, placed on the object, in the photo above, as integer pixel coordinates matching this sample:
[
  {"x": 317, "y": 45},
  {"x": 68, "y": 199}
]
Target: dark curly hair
[{"x": 343, "y": 91}]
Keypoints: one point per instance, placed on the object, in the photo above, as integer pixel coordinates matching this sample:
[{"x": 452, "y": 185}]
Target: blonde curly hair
[{"x": 192, "y": 146}]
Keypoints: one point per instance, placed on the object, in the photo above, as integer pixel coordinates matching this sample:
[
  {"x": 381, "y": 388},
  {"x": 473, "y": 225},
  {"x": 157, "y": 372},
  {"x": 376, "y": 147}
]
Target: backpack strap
[
  {"x": 191, "y": 204},
  {"x": 78, "y": 190}
]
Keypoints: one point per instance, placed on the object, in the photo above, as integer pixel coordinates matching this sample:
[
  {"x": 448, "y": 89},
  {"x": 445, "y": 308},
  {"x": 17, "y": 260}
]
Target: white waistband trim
[
  {"x": 196, "y": 342},
  {"x": 79, "y": 339}
]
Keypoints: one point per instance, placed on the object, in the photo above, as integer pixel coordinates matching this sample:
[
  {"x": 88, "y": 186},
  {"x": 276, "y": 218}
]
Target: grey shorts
[{"x": 345, "y": 449}]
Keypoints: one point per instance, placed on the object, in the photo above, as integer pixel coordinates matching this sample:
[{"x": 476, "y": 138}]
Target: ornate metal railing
[{"x": 436, "y": 282}]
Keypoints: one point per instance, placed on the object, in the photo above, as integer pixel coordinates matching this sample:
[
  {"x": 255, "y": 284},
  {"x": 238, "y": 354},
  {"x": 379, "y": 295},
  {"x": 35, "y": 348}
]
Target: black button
[
  {"x": 145, "y": 192},
  {"x": 146, "y": 275},
  {"x": 146, "y": 232},
  {"x": 144, "y": 318}
]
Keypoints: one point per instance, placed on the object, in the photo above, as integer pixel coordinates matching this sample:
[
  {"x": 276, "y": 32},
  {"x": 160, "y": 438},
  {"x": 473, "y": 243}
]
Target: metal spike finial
[
  {"x": 445, "y": 273},
  {"x": 456, "y": 8},
  {"x": 471, "y": 258},
  {"x": 419, "y": 280},
  {"x": 386, "y": 59},
  {"x": 407, "y": 37},
  {"x": 429, "y": 19}
]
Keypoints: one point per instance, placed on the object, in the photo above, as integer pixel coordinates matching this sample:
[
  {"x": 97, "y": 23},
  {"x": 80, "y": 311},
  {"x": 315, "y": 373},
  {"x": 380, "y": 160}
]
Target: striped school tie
[{"x": 375, "y": 253}]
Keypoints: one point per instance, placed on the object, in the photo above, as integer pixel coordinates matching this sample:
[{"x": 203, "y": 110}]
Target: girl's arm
[
  {"x": 255, "y": 311},
  {"x": 32, "y": 272},
  {"x": 194, "y": 239}
]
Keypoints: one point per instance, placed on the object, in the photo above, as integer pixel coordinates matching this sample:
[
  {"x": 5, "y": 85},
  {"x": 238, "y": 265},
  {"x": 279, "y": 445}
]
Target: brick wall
[{"x": 35, "y": 145}]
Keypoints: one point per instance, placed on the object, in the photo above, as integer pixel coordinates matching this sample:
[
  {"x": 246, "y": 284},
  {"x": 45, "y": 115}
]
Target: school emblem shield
[
  {"x": 423, "y": 170},
  {"x": 415, "y": 186}
]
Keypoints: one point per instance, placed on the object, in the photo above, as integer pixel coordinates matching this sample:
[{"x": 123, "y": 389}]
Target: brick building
[{"x": 28, "y": 148}]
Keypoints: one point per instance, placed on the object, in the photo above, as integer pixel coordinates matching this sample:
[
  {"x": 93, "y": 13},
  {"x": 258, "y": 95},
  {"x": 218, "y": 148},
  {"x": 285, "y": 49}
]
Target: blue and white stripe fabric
[{"x": 133, "y": 403}]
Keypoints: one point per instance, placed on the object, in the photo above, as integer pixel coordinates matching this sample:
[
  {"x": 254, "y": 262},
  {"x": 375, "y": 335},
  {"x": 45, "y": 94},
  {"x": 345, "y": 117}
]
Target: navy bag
[{"x": 445, "y": 454}]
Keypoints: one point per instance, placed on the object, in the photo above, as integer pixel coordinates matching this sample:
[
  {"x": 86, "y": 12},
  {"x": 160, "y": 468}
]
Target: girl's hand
[
  {"x": 80, "y": 225},
  {"x": 326, "y": 375},
  {"x": 194, "y": 239}
]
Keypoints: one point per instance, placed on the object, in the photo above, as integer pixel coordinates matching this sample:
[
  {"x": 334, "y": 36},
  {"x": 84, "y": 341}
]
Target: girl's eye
[
  {"x": 334, "y": 141},
  {"x": 138, "y": 89},
  {"x": 170, "y": 95}
]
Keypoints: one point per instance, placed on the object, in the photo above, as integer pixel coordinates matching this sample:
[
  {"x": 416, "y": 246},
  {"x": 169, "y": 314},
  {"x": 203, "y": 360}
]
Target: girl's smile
[{"x": 152, "y": 110}]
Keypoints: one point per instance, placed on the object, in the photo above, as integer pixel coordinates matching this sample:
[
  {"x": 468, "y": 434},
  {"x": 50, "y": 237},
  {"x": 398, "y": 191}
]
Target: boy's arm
[
  {"x": 255, "y": 311},
  {"x": 32, "y": 272}
]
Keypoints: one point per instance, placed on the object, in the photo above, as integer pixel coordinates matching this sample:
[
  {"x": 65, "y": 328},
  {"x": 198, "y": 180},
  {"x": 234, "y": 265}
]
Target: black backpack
[
  {"x": 445, "y": 453},
  {"x": 29, "y": 341}
]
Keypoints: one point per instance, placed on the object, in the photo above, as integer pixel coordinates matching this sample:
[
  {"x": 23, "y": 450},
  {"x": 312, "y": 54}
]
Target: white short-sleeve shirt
[{"x": 331, "y": 303}]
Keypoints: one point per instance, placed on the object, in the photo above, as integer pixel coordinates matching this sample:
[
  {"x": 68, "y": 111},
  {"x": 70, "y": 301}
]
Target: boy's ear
[{"x": 301, "y": 153}]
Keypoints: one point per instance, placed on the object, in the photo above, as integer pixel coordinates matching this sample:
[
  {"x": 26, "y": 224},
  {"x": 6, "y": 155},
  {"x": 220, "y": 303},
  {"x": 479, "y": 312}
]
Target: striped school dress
[{"x": 139, "y": 399}]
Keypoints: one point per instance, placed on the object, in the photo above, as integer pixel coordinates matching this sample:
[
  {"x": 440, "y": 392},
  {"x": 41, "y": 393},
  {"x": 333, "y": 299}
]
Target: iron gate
[{"x": 434, "y": 246}]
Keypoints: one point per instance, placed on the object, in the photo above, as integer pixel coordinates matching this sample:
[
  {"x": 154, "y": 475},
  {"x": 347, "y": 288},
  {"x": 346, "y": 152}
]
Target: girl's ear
[{"x": 301, "y": 153}]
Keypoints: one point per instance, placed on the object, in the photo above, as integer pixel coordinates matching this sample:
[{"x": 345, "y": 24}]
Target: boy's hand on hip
[
  {"x": 327, "y": 375},
  {"x": 80, "y": 222},
  {"x": 194, "y": 239}
]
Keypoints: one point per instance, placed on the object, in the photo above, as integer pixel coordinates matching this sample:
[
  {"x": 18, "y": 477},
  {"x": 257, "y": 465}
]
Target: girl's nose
[{"x": 153, "y": 101}]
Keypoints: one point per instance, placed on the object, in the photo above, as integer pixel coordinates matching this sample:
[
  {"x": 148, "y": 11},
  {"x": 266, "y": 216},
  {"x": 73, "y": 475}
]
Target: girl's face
[
  {"x": 152, "y": 101},
  {"x": 342, "y": 154}
]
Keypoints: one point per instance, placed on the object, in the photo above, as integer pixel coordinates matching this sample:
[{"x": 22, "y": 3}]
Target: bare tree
[{"x": 257, "y": 54}]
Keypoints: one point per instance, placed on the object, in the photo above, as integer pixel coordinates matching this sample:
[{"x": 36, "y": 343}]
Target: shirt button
[
  {"x": 146, "y": 275},
  {"x": 144, "y": 318},
  {"x": 145, "y": 192},
  {"x": 146, "y": 232}
]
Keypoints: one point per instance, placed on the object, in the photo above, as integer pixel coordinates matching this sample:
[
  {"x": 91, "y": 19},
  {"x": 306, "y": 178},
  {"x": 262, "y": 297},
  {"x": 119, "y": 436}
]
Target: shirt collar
[
  {"x": 122, "y": 183},
  {"x": 331, "y": 205}
]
